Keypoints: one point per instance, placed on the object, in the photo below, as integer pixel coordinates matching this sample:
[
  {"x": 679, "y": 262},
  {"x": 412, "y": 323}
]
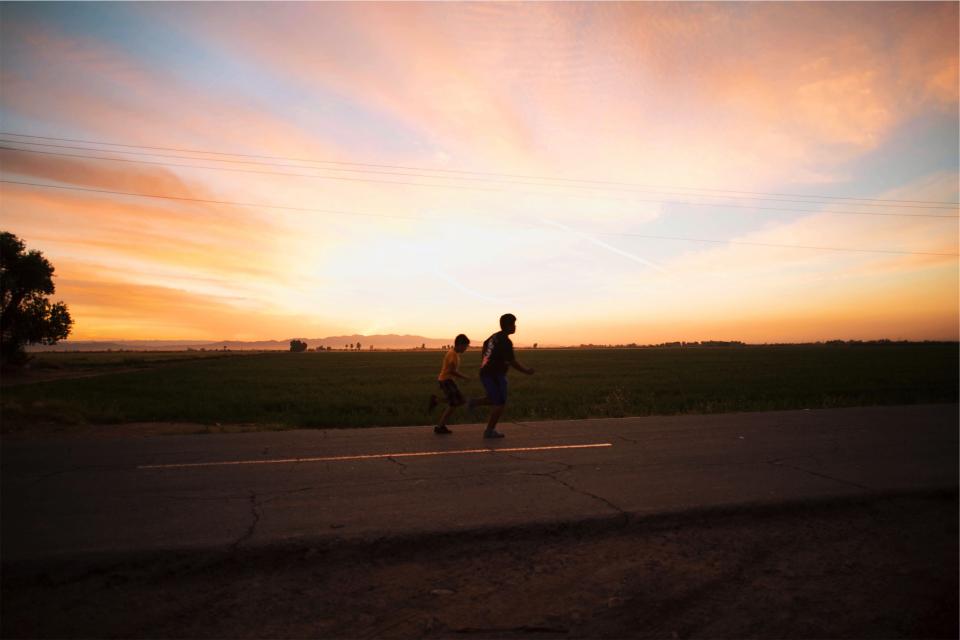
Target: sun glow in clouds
[{"x": 427, "y": 167}]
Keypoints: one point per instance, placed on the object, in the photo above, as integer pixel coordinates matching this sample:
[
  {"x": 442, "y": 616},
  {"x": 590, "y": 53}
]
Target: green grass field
[{"x": 339, "y": 389}]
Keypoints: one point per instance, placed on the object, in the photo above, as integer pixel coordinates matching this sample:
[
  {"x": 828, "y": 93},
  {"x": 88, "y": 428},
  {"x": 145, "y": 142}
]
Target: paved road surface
[{"x": 139, "y": 493}]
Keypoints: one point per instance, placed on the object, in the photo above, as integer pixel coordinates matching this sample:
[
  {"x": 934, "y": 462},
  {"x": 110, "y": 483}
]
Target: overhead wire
[
  {"x": 476, "y": 188},
  {"x": 470, "y": 178},
  {"x": 421, "y": 218},
  {"x": 863, "y": 201},
  {"x": 211, "y": 201},
  {"x": 785, "y": 246}
]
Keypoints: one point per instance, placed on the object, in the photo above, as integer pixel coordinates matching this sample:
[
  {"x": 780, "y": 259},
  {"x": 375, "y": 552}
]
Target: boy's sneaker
[
  {"x": 441, "y": 428},
  {"x": 432, "y": 404},
  {"x": 492, "y": 434}
]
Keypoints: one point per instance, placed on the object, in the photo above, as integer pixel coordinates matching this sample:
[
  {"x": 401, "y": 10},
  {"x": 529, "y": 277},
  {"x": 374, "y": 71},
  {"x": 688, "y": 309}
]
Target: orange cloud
[
  {"x": 107, "y": 309},
  {"x": 140, "y": 235},
  {"x": 98, "y": 174},
  {"x": 114, "y": 97},
  {"x": 707, "y": 95}
]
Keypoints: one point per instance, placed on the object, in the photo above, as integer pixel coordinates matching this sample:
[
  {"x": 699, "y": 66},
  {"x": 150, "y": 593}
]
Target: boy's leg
[
  {"x": 494, "y": 389},
  {"x": 497, "y": 393},
  {"x": 442, "y": 424},
  {"x": 495, "y": 414},
  {"x": 473, "y": 403},
  {"x": 454, "y": 400},
  {"x": 445, "y": 416}
]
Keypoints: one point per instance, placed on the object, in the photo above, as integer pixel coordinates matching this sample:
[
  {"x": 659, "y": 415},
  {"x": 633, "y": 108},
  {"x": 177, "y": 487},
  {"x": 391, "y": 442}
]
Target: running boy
[
  {"x": 496, "y": 359},
  {"x": 448, "y": 371}
]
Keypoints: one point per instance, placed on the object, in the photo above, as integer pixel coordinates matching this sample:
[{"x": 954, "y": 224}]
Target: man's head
[
  {"x": 460, "y": 343},
  {"x": 508, "y": 323}
]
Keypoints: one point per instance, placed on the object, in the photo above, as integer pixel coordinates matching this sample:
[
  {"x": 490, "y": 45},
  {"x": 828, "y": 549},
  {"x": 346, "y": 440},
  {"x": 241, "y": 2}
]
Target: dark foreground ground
[{"x": 880, "y": 567}]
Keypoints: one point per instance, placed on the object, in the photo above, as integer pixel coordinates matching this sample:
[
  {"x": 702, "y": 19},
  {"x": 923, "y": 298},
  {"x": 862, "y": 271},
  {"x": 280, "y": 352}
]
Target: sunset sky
[{"x": 640, "y": 172}]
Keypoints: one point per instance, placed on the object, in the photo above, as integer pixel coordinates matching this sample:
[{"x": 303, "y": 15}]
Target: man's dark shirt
[{"x": 497, "y": 354}]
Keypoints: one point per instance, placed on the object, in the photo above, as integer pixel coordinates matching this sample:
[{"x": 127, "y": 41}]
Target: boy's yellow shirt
[{"x": 451, "y": 363}]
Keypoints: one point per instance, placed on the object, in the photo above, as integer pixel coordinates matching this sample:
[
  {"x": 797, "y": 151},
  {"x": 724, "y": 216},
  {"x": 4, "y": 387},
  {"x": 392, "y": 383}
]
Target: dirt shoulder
[{"x": 880, "y": 567}]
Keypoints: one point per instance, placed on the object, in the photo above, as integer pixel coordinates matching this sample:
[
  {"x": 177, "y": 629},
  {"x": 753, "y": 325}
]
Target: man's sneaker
[
  {"x": 432, "y": 404},
  {"x": 492, "y": 434},
  {"x": 441, "y": 428}
]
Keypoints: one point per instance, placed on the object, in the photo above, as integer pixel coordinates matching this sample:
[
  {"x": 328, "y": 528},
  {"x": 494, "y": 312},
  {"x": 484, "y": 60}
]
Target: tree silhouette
[
  {"x": 26, "y": 315},
  {"x": 298, "y": 346},
  {"x": 358, "y": 346}
]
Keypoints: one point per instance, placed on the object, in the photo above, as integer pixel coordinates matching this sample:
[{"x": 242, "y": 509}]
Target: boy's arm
[{"x": 519, "y": 367}]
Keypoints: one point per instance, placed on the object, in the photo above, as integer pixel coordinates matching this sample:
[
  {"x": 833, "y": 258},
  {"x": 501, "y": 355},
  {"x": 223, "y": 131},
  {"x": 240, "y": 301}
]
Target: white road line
[{"x": 372, "y": 456}]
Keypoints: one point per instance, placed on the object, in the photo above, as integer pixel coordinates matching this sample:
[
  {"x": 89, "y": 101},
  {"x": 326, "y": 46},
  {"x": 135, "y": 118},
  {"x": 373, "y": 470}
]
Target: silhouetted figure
[
  {"x": 449, "y": 370},
  {"x": 497, "y": 357}
]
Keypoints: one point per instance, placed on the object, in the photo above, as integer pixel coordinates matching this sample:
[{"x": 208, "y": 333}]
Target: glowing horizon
[{"x": 762, "y": 141}]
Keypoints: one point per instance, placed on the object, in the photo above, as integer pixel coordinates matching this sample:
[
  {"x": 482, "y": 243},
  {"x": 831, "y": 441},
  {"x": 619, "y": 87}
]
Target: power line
[
  {"x": 473, "y": 188},
  {"x": 235, "y": 169},
  {"x": 224, "y": 202},
  {"x": 860, "y": 201},
  {"x": 425, "y": 219},
  {"x": 472, "y": 179},
  {"x": 784, "y": 246}
]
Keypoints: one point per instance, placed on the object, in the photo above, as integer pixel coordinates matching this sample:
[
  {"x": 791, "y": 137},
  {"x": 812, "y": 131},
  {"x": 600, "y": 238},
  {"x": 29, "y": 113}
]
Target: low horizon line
[{"x": 709, "y": 342}]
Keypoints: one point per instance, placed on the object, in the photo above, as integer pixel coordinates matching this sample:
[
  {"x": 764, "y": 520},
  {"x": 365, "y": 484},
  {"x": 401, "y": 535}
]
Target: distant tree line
[
  {"x": 703, "y": 343},
  {"x": 300, "y": 345},
  {"x": 857, "y": 343},
  {"x": 634, "y": 345}
]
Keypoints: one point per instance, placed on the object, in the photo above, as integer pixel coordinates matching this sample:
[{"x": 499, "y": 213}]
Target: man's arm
[{"x": 519, "y": 367}]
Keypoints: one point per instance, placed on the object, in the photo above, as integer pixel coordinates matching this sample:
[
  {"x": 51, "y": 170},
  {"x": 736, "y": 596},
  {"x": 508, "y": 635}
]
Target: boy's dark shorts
[
  {"x": 451, "y": 392},
  {"x": 496, "y": 387}
]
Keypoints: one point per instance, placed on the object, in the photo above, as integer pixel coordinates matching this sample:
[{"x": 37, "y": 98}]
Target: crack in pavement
[
  {"x": 780, "y": 463},
  {"x": 568, "y": 467},
  {"x": 381, "y": 631},
  {"x": 274, "y": 495},
  {"x": 203, "y": 498},
  {"x": 624, "y": 514},
  {"x": 630, "y": 440},
  {"x": 816, "y": 461},
  {"x": 280, "y": 494},
  {"x": 253, "y": 525},
  {"x": 403, "y": 467}
]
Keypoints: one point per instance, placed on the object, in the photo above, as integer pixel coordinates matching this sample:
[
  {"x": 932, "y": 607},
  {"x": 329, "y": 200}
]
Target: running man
[{"x": 497, "y": 358}]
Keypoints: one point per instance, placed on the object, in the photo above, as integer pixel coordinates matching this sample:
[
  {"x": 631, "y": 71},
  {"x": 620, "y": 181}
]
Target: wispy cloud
[
  {"x": 601, "y": 243},
  {"x": 764, "y": 98}
]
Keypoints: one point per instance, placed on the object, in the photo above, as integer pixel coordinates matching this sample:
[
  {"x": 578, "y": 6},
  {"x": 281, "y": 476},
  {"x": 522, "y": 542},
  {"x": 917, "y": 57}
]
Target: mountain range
[{"x": 389, "y": 341}]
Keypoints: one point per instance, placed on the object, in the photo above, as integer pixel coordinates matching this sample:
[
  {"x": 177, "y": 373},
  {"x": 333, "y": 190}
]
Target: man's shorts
[
  {"x": 451, "y": 392},
  {"x": 496, "y": 386}
]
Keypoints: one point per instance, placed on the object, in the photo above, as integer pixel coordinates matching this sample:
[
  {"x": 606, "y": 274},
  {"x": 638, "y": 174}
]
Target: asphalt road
[{"x": 128, "y": 494}]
